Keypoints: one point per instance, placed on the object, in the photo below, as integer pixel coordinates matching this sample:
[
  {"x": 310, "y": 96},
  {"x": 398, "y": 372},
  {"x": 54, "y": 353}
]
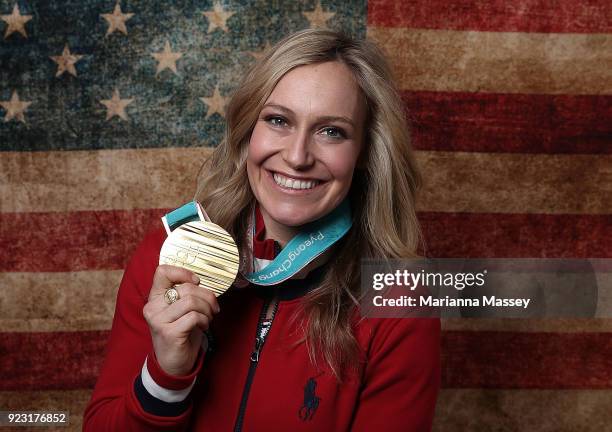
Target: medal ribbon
[{"x": 314, "y": 239}]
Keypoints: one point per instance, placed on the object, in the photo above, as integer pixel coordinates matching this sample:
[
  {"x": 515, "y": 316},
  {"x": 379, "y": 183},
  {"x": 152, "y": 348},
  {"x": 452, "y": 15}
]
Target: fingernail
[
  {"x": 217, "y": 309},
  {"x": 195, "y": 279}
]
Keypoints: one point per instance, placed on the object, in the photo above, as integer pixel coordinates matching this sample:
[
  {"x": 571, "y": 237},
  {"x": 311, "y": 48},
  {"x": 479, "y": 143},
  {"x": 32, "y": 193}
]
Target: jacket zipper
[{"x": 254, "y": 361}]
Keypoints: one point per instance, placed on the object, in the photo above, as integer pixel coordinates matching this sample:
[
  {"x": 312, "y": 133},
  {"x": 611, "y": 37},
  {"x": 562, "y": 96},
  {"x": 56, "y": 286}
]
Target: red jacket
[{"x": 395, "y": 390}]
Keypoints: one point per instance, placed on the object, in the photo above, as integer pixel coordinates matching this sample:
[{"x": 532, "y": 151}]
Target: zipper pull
[{"x": 255, "y": 353}]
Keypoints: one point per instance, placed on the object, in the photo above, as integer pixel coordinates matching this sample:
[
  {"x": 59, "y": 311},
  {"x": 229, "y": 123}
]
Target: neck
[{"x": 281, "y": 233}]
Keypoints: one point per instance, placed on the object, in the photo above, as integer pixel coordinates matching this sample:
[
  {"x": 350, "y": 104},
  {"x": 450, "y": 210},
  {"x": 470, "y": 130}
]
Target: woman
[{"x": 315, "y": 127}]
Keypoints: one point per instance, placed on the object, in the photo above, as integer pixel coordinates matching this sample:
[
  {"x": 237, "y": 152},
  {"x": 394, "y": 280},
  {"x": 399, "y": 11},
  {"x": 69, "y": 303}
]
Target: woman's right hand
[{"x": 177, "y": 329}]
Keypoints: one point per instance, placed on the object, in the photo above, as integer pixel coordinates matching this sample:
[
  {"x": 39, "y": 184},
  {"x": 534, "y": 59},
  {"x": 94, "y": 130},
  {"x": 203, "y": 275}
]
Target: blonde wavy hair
[{"x": 382, "y": 192}]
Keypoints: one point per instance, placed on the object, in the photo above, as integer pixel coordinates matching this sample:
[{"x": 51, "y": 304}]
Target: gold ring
[{"x": 171, "y": 295}]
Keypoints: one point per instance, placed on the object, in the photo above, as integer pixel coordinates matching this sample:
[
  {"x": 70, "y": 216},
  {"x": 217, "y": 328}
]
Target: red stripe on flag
[
  {"x": 72, "y": 241},
  {"x": 51, "y": 361},
  {"x": 527, "y": 360},
  {"x": 583, "y": 16},
  {"x": 72, "y": 360},
  {"x": 517, "y": 123},
  {"x": 104, "y": 240},
  {"x": 493, "y": 235}
]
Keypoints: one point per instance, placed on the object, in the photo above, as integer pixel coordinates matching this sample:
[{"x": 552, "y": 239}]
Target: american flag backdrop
[{"x": 107, "y": 109}]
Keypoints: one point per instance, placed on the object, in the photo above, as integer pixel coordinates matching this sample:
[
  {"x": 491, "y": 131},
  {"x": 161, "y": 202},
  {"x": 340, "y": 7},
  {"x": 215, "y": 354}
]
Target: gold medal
[{"x": 205, "y": 249}]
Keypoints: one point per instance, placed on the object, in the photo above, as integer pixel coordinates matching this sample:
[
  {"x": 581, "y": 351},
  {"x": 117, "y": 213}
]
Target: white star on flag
[
  {"x": 15, "y": 108},
  {"x": 115, "y": 106}
]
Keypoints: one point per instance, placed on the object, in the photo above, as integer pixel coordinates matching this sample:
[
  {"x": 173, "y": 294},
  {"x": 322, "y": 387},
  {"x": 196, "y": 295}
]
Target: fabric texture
[
  {"x": 510, "y": 109},
  {"x": 394, "y": 390}
]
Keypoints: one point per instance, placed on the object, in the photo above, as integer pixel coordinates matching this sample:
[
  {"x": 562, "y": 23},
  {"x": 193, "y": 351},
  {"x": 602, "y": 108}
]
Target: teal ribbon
[
  {"x": 314, "y": 239},
  {"x": 182, "y": 215}
]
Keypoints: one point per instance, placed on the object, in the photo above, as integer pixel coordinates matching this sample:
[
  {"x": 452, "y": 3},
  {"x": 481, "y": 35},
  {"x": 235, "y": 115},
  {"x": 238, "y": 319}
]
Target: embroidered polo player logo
[{"x": 311, "y": 401}]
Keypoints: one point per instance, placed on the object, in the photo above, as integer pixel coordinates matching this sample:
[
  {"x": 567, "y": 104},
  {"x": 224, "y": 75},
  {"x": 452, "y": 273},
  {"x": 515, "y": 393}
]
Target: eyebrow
[{"x": 322, "y": 118}]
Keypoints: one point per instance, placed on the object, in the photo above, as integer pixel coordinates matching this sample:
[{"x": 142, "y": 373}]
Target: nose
[{"x": 298, "y": 152}]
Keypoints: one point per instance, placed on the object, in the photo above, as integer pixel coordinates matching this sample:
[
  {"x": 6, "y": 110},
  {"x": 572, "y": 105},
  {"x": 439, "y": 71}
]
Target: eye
[
  {"x": 334, "y": 132},
  {"x": 276, "y": 120}
]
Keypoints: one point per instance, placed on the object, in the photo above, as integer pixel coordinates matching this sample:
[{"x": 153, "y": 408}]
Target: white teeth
[{"x": 294, "y": 184}]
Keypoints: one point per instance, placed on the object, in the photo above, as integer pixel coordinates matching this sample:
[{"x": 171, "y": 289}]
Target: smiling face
[{"x": 305, "y": 145}]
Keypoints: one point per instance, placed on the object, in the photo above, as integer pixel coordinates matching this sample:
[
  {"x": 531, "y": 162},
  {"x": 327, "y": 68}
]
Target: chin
[{"x": 294, "y": 215}]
